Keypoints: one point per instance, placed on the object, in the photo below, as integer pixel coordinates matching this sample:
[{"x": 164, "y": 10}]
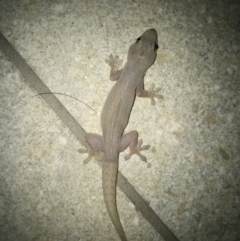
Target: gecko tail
[{"x": 110, "y": 169}]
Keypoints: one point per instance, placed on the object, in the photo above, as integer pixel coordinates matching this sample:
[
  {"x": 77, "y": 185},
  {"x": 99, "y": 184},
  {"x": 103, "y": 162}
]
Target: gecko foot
[
  {"x": 90, "y": 154},
  {"x": 153, "y": 94},
  {"x": 114, "y": 62},
  {"x": 136, "y": 150},
  {"x": 95, "y": 146}
]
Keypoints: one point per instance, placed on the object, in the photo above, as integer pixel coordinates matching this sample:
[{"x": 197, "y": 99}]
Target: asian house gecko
[{"x": 115, "y": 116}]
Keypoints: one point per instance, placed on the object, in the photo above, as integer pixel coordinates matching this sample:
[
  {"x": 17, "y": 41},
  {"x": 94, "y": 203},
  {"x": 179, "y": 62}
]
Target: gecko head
[{"x": 144, "y": 49}]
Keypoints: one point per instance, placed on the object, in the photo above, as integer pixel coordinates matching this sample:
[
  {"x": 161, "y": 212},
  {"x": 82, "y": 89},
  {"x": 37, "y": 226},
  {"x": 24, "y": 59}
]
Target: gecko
[{"x": 115, "y": 116}]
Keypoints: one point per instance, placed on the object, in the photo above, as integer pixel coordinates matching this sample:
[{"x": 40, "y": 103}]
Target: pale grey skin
[{"x": 115, "y": 116}]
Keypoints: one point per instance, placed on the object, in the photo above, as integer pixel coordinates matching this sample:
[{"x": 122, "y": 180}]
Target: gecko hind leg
[
  {"x": 95, "y": 143},
  {"x": 130, "y": 140}
]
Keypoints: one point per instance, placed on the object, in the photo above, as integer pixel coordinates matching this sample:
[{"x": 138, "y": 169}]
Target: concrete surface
[{"x": 192, "y": 176}]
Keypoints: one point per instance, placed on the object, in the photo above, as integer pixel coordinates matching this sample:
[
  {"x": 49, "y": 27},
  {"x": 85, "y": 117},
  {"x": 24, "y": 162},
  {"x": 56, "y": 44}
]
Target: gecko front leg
[
  {"x": 114, "y": 62},
  {"x": 152, "y": 93}
]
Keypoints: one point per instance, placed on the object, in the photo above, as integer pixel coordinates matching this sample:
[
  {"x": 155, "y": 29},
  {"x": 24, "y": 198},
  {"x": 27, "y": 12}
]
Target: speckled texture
[{"x": 192, "y": 176}]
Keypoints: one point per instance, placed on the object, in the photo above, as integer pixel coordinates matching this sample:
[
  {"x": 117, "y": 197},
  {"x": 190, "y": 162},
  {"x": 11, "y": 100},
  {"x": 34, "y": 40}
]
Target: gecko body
[{"x": 115, "y": 116}]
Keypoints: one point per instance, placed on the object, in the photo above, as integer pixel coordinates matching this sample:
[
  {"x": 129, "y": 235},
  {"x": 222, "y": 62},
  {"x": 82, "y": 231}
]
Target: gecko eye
[
  {"x": 138, "y": 39},
  {"x": 156, "y": 47}
]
